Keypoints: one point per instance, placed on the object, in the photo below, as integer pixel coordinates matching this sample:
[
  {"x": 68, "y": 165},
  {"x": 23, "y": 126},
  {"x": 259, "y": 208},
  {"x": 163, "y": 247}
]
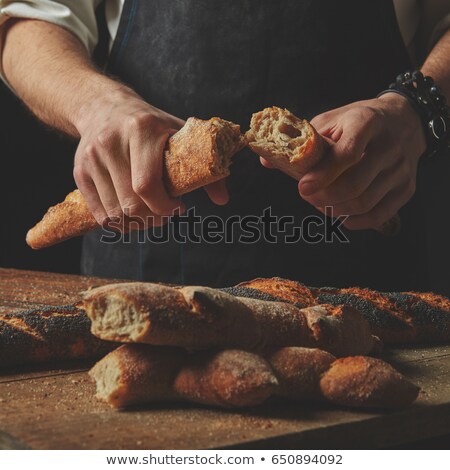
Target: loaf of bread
[
  {"x": 198, "y": 154},
  {"x": 290, "y": 144},
  {"x": 396, "y": 318},
  {"x": 136, "y": 374},
  {"x": 202, "y": 317},
  {"x": 48, "y": 334}
]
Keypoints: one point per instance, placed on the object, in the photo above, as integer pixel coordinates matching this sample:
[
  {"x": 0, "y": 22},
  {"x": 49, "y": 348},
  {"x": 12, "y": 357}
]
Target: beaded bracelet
[{"x": 429, "y": 102}]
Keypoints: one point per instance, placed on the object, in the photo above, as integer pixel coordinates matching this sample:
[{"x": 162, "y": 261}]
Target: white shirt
[{"x": 431, "y": 17}]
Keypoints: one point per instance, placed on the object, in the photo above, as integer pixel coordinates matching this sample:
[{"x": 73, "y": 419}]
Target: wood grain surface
[{"x": 45, "y": 408}]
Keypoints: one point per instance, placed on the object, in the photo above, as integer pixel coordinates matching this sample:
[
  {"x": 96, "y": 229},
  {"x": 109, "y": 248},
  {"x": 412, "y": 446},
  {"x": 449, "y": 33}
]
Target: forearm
[
  {"x": 437, "y": 64},
  {"x": 51, "y": 71}
]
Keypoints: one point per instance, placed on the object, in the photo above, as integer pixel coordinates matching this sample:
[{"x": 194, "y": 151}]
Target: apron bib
[{"x": 231, "y": 58}]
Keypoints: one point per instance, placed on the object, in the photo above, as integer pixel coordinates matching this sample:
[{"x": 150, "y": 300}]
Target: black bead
[
  {"x": 417, "y": 75},
  {"x": 435, "y": 90}
]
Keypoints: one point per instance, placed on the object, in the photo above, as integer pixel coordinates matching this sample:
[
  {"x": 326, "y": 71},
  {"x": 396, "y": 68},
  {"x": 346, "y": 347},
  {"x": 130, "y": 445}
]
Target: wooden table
[{"x": 52, "y": 407}]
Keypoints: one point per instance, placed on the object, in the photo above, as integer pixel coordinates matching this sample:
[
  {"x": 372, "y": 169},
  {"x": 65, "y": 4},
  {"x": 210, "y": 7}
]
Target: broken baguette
[
  {"x": 198, "y": 154},
  {"x": 202, "y": 317}
]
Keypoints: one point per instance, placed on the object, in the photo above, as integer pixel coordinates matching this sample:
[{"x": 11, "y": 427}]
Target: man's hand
[
  {"x": 119, "y": 161},
  {"x": 369, "y": 172}
]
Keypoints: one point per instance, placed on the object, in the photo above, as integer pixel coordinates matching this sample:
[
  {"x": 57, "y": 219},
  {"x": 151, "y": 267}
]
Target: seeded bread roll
[
  {"x": 198, "y": 154},
  {"x": 202, "y": 317}
]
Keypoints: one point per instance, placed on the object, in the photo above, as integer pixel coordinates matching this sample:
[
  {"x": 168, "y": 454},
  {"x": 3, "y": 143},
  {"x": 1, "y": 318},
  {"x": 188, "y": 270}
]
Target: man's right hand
[{"x": 119, "y": 160}]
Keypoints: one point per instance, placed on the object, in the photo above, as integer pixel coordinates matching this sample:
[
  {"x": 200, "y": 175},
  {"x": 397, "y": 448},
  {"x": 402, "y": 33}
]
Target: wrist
[
  {"x": 103, "y": 94},
  {"x": 430, "y": 105}
]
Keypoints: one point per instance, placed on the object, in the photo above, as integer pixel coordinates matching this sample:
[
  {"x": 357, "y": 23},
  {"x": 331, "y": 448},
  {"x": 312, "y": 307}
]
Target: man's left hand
[{"x": 370, "y": 170}]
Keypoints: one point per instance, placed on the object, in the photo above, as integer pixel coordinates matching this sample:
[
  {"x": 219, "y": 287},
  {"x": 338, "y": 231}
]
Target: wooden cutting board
[{"x": 53, "y": 407}]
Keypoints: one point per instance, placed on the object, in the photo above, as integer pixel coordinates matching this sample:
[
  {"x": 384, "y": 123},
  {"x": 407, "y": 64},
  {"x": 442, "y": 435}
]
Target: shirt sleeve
[{"x": 77, "y": 16}]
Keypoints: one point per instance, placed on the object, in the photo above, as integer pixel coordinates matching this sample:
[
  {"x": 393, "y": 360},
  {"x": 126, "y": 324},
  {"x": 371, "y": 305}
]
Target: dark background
[{"x": 36, "y": 172}]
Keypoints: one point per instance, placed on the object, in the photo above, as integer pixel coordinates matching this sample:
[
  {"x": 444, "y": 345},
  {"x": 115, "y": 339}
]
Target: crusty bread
[
  {"x": 290, "y": 144},
  {"x": 202, "y": 317},
  {"x": 299, "y": 370},
  {"x": 230, "y": 378},
  {"x": 198, "y": 154},
  {"x": 135, "y": 374},
  {"x": 67, "y": 219},
  {"x": 366, "y": 382}
]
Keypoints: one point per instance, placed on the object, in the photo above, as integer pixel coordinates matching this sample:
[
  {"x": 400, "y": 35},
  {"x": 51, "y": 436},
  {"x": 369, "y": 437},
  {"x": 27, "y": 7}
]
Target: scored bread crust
[
  {"x": 290, "y": 144},
  {"x": 198, "y": 154}
]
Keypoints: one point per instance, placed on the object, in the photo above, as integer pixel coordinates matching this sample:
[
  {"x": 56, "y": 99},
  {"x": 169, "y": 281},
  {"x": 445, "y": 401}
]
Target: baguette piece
[
  {"x": 137, "y": 374},
  {"x": 198, "y": 154},
  {"x": 134, "y": 374},
  {"x": 202, "y": 317},
  {"x": 290, "y": 144},
  {"x": 48, "y": 334}
]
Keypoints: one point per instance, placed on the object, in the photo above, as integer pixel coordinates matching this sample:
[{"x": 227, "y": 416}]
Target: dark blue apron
[{"x": 230, "y": 58}]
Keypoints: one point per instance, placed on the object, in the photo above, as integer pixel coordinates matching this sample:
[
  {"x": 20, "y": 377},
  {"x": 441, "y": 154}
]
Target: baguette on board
[
  {"x": 198, "y": 154},
  {"x": 201, "y": 317},
  {"x": 137, "y": 374}
]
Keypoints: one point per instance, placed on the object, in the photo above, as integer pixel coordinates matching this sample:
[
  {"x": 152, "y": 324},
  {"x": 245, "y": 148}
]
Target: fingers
[
  {"x": 265, "y": 163},
  {"x": 146, "y": 158},
  {"x": 384, "y": 183},
  {"x": 355, "y": 181},
  {"x": 383, "y": 211},
  {"x": 218, "y": 192},
  {"x": 90, "y": 194},
  {"x": 359, "y": 127}
]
